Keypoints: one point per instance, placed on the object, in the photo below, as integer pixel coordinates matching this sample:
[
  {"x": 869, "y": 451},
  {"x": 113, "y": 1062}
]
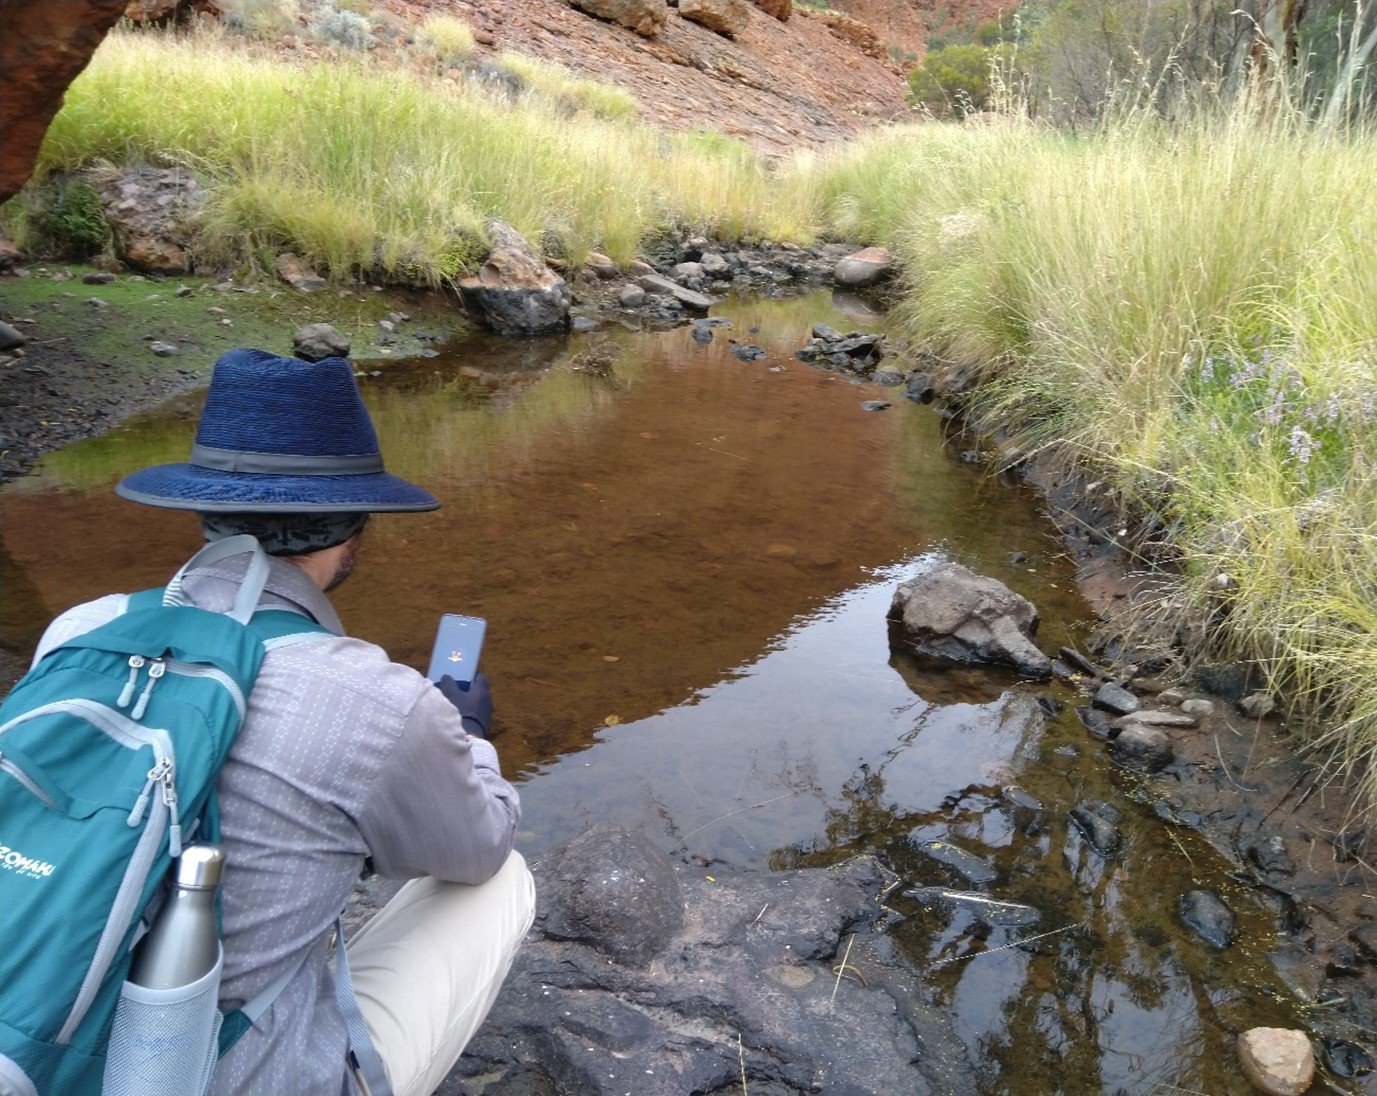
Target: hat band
[{"x": 285, "y": 464}]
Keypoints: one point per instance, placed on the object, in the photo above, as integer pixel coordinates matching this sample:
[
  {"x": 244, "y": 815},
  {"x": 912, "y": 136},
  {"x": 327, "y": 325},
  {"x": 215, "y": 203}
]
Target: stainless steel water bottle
[{"x": 184, "y": 942}]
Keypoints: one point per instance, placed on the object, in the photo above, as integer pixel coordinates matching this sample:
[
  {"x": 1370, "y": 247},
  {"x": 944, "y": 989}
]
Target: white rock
[{"x": 1278, "y": 1061}]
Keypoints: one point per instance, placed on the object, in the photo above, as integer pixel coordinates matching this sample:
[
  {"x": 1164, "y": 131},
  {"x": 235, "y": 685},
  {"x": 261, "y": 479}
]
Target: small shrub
[
  {"x": 341, "y": 27},
  {"x": 70, "y": 220},
  {"x": 558, "y": 83},
  {"x": 954, "y": 81},
  {"x": 264, "y": 18},
  {"x": 449, "y": 38}
]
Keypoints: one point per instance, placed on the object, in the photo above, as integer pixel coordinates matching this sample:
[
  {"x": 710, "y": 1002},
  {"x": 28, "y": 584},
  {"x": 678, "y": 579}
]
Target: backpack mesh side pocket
[{"x": 163, "y": 1042}]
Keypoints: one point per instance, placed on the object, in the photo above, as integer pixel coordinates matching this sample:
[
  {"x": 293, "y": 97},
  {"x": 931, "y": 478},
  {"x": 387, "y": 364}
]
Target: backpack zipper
[
  {"x": 195, "y": 669},
  {"x": 8, "y": 766}
]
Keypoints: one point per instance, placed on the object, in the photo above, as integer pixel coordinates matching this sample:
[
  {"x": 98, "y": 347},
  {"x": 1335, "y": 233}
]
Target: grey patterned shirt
[{"x": 343, "y": 754}]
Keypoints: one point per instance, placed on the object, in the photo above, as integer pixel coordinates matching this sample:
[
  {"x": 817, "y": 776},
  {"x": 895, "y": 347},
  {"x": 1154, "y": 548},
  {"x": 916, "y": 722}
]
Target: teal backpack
[{"x": 109, "y": 752}]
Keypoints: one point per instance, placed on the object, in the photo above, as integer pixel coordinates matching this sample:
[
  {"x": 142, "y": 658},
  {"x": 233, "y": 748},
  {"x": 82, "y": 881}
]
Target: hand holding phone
[{"x": 458, "y": 642}]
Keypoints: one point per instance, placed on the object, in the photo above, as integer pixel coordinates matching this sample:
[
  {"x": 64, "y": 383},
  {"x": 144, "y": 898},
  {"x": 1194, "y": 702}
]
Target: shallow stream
[{"x": 686, "y": 561}]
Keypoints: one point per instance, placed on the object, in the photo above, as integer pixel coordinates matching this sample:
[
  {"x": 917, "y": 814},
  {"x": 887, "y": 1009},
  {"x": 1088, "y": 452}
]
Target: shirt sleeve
[
  {"x": 78, "y": 621},
  {"x": 440, "y": 806}
]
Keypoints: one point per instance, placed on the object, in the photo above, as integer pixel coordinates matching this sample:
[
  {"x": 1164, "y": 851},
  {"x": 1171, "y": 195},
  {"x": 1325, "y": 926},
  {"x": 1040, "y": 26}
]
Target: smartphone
[{"x": 458, "y": 641}]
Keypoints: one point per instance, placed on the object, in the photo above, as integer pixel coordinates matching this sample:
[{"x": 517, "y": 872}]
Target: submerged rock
[
  {"x": 1207, "y": 915},
  {"x": 974, "y": 869},
  {"x": 1278, "y": 1061},
  {"x": 1346, "y": 1059},
  {"x": 953, "y": 614},
  {"x": 514, "y": 292},
  {"x": 1098, "y": 822}
]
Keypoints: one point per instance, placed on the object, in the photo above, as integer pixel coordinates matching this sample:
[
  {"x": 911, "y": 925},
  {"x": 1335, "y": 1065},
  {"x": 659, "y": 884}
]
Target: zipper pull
[
  {"x": 135, "y": 665},
  {"x": 174, "y": 831},
  {"x": 155, "y": 774},
  {"x": 155, "y": 671}
]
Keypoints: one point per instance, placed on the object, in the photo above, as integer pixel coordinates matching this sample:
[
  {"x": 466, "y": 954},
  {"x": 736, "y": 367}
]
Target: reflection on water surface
[{"x": 685, "y": 562}]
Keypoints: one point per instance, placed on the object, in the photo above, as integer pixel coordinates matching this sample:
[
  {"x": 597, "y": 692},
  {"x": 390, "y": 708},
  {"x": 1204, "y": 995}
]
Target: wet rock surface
[
  {"x": 951, "y": 613},
  {"x": 753, "y": 958}
]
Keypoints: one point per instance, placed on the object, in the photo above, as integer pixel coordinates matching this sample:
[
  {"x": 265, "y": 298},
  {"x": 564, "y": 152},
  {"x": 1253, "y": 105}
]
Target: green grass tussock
[
  {"x": 362, "y": 165},
  {"x": 1191, "y": 312},
  {"x": 558, "y": 84}
]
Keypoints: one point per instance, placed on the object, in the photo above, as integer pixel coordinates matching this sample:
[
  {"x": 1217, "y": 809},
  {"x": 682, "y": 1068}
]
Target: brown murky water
[{"x": 685, "y": 562}]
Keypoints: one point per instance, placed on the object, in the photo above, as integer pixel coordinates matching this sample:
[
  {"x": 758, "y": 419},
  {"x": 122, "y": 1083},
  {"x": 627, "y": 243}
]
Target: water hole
[{"x": 686, "y": 561}]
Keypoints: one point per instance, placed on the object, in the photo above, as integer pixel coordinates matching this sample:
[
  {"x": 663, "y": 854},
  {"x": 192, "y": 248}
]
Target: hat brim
[{"x": 191, "y": 487}]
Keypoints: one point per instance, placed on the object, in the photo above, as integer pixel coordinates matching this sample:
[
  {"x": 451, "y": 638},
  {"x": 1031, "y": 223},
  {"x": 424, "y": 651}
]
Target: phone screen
[{"x": 458, "y": 641}]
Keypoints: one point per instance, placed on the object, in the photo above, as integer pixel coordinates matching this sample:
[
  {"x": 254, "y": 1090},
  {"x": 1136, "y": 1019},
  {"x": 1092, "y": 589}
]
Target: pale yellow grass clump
[
  {"x": 448, "y": 37},
  {"x": 1191, "y": 310},
  {"x": 559, "y": 84},
  {"x": 360, "y": 166}
]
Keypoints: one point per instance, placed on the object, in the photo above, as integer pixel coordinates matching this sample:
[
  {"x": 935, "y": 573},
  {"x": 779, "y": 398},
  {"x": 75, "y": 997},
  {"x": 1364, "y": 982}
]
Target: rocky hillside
[{"x": 782, "y": 85}]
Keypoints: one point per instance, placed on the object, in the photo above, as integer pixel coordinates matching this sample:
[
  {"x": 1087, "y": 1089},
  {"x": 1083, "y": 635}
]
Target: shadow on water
[{"x": 686, "y": 562}]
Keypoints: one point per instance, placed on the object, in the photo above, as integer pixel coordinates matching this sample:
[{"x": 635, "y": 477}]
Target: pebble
[
  {"x": 1277, "y": 1061},
  {"x": 184, "y": 291},
  {"x": 1155, "y": 717},
  {"x": 98, "y": 277},
  {"x": 631, "y": 296},
  {"x": 1198, "y": 708},
  {"x": 163, "y": 349},
  {"x": 874, "y": 405},
  {"x": 100, "y": 304}
]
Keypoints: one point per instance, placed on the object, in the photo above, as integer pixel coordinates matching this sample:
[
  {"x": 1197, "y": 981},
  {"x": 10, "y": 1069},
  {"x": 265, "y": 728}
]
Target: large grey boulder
[
  {"x": 645, "y": 17},
  {"x": 753, "y": 960},
  {"x": 728, "y": 17},
  {"x": 514, "y": 292},
  {"x": 952, "y": 614}
]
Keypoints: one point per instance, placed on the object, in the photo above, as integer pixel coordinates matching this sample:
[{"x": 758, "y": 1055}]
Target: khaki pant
[{"x": 428, "y": 966}]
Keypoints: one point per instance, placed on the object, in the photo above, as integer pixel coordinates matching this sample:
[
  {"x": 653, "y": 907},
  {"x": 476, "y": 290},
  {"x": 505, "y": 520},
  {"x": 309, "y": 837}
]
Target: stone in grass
[
  {"x": 1207, "y": 915},
  {"x": 1278, "y": 1061},
  {"x": 11, "y": 338},
  {"x": 1256, "y": 705},
  {"x": 865, "y": 267},
  {"x": 317, "y": 341},
  {"x": 874, "y": 405},
  {"x": 98, "y": 277},
  {"x": 163, "y": 349}
]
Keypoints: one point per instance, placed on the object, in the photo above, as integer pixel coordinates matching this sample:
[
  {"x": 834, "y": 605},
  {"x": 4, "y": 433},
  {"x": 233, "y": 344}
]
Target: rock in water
[
  {"x": 1205, "y": 913},
  {"x": 953, "y": 614},
  {"x": 1278, "y": 1061},
  {"x": 317, "y": 341},
  {"x": 1116, "y": 699},
  {"x": 658, "y": 283},
  {"x": 514, "y": 292},
  {"x": 865, "y": 267},
  {"x": 972, "y": 868},
  {"x": 1098, "y": 823},
  {"x": 728, "y": 17},
  {"x": 645, "y": 17}
]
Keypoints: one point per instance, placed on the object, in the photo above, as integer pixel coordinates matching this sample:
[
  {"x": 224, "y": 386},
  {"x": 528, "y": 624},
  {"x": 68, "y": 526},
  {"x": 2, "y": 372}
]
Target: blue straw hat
[{"x": 280, "y": 435}]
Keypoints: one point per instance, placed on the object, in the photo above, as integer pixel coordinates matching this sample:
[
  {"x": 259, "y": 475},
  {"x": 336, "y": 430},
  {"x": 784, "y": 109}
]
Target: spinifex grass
[
  {"x": 1191, "y": 311},
  {"x": 360, "y": 165}
]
